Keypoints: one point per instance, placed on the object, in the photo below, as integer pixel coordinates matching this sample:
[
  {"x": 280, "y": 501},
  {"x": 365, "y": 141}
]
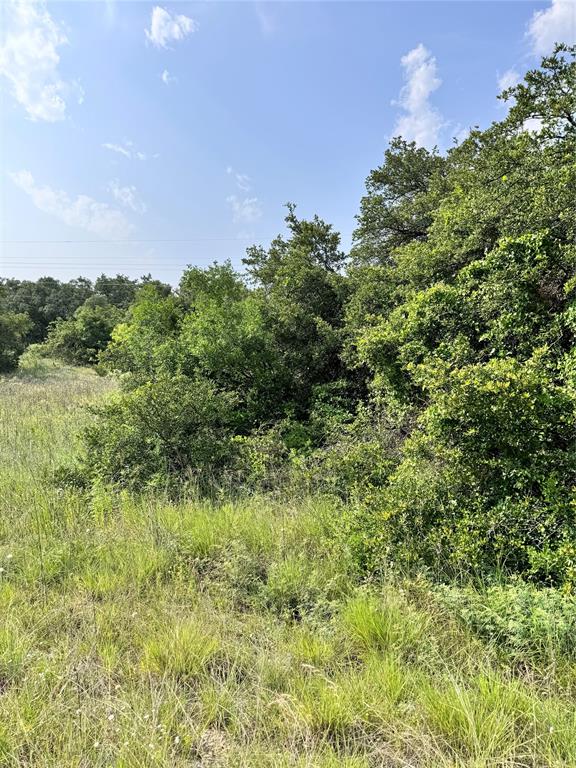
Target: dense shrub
[
  {"x": 13, "y": 329},
  {"x": 80, "y": 339},
  {"x": 528, "y": 623},
  {"x": 430, "y": 382},
  {"x": 274, "y": 348},
  {"x": 171, "y": 429},
  {"x": 471, "y": 346}
]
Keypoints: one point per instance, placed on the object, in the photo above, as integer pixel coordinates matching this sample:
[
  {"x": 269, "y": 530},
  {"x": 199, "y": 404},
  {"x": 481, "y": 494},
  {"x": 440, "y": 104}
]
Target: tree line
[{"x": 72, "y": 319}]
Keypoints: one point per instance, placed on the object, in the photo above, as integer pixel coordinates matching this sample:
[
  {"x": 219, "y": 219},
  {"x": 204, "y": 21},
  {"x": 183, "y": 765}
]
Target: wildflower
[
  {"x": 176, "y": 739},
  {"x": 111, "y": 716},
  {"x": 96, "y": 744}
]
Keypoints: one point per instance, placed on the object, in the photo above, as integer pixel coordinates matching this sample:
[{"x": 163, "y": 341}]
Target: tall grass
[{"x": 140, "y": 632}]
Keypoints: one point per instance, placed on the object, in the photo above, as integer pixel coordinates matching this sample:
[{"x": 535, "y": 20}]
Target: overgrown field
[{"x": 139, "y": 632}]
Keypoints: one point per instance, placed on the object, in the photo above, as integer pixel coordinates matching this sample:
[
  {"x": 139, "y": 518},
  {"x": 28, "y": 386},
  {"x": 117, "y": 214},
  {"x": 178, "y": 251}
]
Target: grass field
[{"x": 138, "y": 632}]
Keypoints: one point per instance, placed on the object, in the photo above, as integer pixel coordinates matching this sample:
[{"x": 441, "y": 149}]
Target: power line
[
  {"x": 128, "y": 242},
  {"x": 183, "y": 240},
  {"x": 114, "y": 264}
]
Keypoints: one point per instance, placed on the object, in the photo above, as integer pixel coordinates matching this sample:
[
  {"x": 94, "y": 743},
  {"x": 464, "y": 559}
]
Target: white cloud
[
  {"x": 167, "y": 78},
  {"x": 126, "y": 149},
  {"x": 509, "y": 79},
  {"x": 166, "y": 27},
  {"x": 532, "y": 125},
  {"x": 555, "y": 24},
  {"x": 421, "y": 122},
  {"x": 29, "y": 60},
  {"x": 82, "y": 212},
  {"x": 461, "y": 133},
  {"x": 117, "y": 148},
  {"x": 243, "y": 181},
  {"x": 127, "y": 196},
  {"x": 246, "y": 210}
]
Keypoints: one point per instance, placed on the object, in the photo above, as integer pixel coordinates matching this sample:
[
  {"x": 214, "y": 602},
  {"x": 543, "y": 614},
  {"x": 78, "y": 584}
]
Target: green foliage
[
  {"x": 174, "y": 427},
  {"x": 44, "y": 301},
  {"x": 468, "y": 333},
  {"x": 525, "y": 622},
  {"x": 47, "y": 300},
  {"x": 139, "y": 631},
  {"x": 145, "y": 341},
  {"x": 429, "y": 380},
  {"x": 302, "y": 293},
  {"x": 398, "y": 207},
  {"x": 547, "y": 95},
  {"x": 273, "y": 348},
  {"x": 80, "y": 338},
  {"x": 13, "y": 329}
]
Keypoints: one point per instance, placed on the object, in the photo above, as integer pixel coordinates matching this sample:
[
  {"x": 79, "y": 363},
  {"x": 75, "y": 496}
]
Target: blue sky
[{"x": 151, "y": 136}]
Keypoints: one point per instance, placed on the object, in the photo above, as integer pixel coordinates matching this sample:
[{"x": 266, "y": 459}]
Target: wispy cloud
[
  {"x": 243, "y": 181},
  {"x": 421, "y": 122},
  {"x": 29, "y": 60},
  {"x": 118, "y": 149},
  {"x": 82, "y": 212},
  {"x": 168, "y": 28},
  {"x": 127, "y": 149},
  {"x": 110, "y": 11},
  {"x": 460, "y": 133},
  {"x": 245, "y": 210},
  {"x": 508, "y": 79},
  {"x": 555, "y": 24},
  {"x": 127, "y": 196},
  {"x": 266, "y": 21},
  {"x": 167, "y": 78}
]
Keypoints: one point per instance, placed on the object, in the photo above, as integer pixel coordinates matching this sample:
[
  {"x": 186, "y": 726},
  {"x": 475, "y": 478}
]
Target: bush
[
  {"x": 80, "y": 339},
  {"x": 13, "y": 329},
  {"x": 487, "y": 478},
  {"x": 528, "y": 623},
  {"x": 172, "y": 429},
  {"x": 33, "y": 361}
]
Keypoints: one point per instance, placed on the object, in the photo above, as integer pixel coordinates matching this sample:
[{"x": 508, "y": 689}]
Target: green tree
[
  {"x": 13, "y": 329},
  {"x": 400, "y": 199},
  {"x": 468, "y": 336},
  {"x": 44, "y": 301},
  {"x": 80, "y": 339},
  {"x": 302, "y": 289}
]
